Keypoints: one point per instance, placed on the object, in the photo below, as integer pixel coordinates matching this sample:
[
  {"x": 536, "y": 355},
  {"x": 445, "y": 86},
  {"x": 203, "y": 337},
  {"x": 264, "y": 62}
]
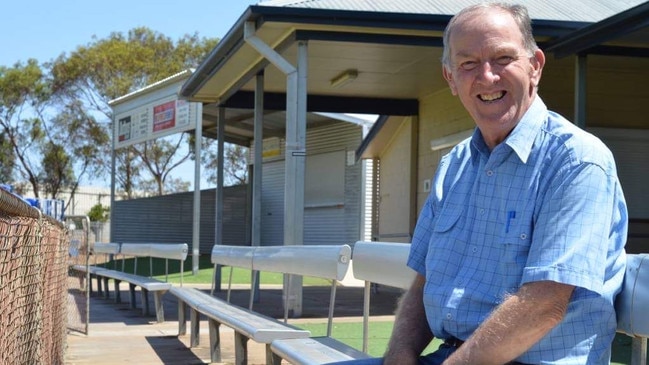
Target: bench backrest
[
  {"x": 167, "y": 251},
  {"x": 382, "y": 263},
  {"x": 105, "y": 248},
  {"x": 321, "y": 261},
  {"x": 235, "y": 256},
  {"x": 633, "y": 301}
]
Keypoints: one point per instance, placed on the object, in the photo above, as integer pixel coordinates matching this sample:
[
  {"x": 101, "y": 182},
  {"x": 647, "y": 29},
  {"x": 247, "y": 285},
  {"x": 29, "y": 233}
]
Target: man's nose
[{"x": 488, "y": 73}]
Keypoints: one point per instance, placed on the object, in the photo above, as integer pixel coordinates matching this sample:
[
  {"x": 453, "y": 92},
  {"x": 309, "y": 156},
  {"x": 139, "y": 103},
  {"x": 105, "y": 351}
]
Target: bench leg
[
  {"x": 131, "y": 295},
  {"x": 182, "y": 319},
  {"x": 118, "y": 296},
  {"x": 639, "y": 351},
  {"x": 106, "y": 287},
  {"x": 99, "y": 290},
  {"x": 159, "y": 308},
  {"x": 145, "y": 302},
  {"x": 240, "y": 349},
  {"x": 215, "y": 341},
  {"x": 271, "y": 357},
  {"x": 194, "y": 322},
  {"x": 277, "y": 360},
  {"x": 89, "y": 283}
]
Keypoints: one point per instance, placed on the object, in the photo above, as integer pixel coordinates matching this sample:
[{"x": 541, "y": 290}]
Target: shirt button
[
  {"x": 490, "y": 173},
  {"x": 523, "y": 236},
  {"x": 448, "y": 316},
  {"x": 474, "y": 249},
  {"x": 481, "y": 211}
]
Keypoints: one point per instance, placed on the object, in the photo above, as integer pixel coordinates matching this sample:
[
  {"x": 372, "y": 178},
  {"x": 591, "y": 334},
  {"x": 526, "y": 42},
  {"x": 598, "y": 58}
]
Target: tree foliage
[
  {"x": 23, "y": 92},
  {"x": 99, "y": 213},
  {"x": 106, "y": 69},
  {"x": 235, "y": 163},
  {"x": 56, "y": 118}
]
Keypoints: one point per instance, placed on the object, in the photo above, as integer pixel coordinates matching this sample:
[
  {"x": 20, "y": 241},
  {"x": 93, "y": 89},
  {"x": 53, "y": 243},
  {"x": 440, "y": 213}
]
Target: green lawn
[
  {"x": 350, "y": 333},
  {"x": 204, "y": 275},
  {"x": 379, "y": 332}
]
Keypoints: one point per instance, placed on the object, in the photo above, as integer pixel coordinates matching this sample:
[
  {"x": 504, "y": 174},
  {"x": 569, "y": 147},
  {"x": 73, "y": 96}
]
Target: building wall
[
  {"x": 441, "y": 114},
  {"x": 168, "y": 218},
  {"x": 331, "y": 216},
  {"x": 395, "y": 220}
]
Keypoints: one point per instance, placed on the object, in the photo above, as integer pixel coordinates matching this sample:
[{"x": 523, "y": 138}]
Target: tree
[
  {"x": 23, "y": 92},
  {"x": 99, "y": 213},
  {"x": 106, "y": 69},
  {"x": 160, "y": 157},
  {"x": 235, "y": 163},
  {"x": 73, "y": 150},
  {"x": 7, "y": 159}
]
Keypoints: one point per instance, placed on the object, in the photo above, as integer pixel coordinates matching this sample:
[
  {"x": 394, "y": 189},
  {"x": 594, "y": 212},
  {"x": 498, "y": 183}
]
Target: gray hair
[{"x": 518, "y": 12}]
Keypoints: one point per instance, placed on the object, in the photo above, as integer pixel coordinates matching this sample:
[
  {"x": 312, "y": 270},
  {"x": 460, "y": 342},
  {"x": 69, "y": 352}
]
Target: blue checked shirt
[{"x": 545, "y": 204}]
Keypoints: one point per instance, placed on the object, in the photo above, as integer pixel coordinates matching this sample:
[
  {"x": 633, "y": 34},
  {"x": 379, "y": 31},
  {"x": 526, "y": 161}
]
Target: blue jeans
[{"x": 434, "y": 358}]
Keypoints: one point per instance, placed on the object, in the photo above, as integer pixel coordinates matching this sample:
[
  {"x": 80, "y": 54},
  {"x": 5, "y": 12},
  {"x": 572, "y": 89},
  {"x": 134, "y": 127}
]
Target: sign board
[
  {"x": 153, "y": 112},
  {"x": 157, "y": 119}
]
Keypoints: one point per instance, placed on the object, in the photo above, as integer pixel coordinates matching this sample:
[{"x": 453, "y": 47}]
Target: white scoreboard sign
[
  {"x": 154, "y": 112},
  {"x": 155, "y": 120}
]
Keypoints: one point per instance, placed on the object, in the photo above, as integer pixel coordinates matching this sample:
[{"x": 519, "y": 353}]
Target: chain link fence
[{"x": 34, "y": 251}]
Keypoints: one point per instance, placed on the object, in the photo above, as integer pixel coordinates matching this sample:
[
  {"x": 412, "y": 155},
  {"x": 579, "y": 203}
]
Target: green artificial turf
[{"x": 351, "y": 333}]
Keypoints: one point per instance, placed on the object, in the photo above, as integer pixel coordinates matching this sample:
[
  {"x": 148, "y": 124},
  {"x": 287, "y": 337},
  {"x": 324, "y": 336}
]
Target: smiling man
[{"x": 519, "y": 248}]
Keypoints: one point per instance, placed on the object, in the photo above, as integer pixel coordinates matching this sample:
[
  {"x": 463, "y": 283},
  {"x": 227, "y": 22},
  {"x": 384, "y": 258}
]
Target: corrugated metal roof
[{"x": 572, "y": 10}]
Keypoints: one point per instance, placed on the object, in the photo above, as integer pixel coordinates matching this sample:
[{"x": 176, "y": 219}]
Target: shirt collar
[{"x": 521, "y": 139}]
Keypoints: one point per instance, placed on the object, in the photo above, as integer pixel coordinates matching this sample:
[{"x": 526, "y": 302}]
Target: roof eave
[{"x": 601, "y": 32}]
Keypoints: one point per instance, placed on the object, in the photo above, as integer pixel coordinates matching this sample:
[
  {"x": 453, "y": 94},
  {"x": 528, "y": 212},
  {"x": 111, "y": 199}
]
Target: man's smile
[{"x": 492, "y": 97}]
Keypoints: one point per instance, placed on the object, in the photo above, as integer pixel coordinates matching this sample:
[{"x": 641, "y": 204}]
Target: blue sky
[{"x": 43, "y": 29}]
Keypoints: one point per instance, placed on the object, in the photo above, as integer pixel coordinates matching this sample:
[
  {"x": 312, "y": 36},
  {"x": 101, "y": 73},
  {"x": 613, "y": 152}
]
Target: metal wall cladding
[
  {"x": 168, "y": 218},
  {"x": 323, "y": 224}
]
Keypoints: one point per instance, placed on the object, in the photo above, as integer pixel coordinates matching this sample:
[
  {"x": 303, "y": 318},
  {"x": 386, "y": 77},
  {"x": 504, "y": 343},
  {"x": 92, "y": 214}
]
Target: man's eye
[
  {"x": 468, "y": 65},
  {"x": 504, "y": 60}
]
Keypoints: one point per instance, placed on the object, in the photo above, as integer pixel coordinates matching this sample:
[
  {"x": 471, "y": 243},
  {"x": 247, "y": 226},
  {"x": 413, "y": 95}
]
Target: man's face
[{"x": 491, "y": 72}]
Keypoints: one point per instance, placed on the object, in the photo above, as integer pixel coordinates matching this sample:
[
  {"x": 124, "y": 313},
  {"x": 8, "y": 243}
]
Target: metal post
[
  {"x": 580, "y": 90},
  {"x": 196, "y": 220},
  {"x": 296, "y": 78},
  {"x": 218, "y": 226},
  {"x": 257, "y": 173}
]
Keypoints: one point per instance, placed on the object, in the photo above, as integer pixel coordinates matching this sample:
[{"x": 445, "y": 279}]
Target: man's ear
[
  {"x": 537, "y": 61},
  {"x": 448, "y": 75}
]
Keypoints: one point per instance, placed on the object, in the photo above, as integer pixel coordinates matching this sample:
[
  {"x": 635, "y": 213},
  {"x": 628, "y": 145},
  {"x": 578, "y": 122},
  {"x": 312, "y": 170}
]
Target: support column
[
  {"x": 580, "y": 90},
  {"x": 257, "y": 171}
]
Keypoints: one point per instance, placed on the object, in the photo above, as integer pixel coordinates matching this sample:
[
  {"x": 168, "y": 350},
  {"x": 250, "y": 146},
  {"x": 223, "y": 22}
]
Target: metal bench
[
  {"x": 632, "y": 304},
  {"x": 147, "y": 284},
  {"x": 374, "y": 262},
  {"x": 107, "y": 250},
  {"x": 385, "y": 263},
  {"x": 330, "y": 262}
]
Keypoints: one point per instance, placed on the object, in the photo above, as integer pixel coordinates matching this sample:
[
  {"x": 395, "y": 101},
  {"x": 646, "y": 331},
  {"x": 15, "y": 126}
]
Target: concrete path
[{"x": 121, "y": 335}]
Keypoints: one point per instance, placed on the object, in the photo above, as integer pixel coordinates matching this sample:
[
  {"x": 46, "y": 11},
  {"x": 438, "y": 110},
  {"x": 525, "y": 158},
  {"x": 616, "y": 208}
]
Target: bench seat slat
[
  {"x": 315, "y": 350},
  {"x": 141, "y": 281},
  {"x": 253, "y": 325}
]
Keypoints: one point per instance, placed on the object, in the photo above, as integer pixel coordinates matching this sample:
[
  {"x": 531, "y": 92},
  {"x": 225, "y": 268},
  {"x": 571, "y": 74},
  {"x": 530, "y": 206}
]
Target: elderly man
[{"x": 519, "y": 248}]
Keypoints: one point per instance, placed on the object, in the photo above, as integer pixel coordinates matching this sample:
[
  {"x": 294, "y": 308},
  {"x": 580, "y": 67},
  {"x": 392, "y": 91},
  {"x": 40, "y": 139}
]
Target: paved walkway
[{"x": 120, "y": 335}]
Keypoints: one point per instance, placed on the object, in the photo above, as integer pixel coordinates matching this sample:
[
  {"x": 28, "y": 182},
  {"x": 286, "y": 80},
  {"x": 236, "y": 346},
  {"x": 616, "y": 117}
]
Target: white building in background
[{"x": 85, "y": 198}]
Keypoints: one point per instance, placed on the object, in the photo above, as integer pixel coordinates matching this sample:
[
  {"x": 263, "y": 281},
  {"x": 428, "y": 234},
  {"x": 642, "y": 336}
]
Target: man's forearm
[
  {"x": 517, "y": 324},
  {"x": 411, "y": 333}
]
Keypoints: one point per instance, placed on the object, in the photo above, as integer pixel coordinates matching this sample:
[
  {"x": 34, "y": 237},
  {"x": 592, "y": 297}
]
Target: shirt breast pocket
[{"x": 516, "y": 244}]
